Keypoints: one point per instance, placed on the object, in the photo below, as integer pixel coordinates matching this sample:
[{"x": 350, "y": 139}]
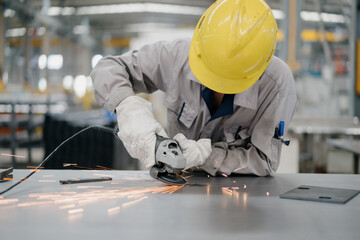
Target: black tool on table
[
  {"x": 6, "y": 175},
  {"x": 85, "y": 180}
]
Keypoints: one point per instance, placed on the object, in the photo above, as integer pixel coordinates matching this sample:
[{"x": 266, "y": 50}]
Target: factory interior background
[{"x": 48, "y": 49}]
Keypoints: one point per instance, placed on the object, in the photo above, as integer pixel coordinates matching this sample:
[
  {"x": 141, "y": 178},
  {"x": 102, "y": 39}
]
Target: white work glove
[
  {"x": 195, "y": 152},
  {"x": 137, "y": 129}
]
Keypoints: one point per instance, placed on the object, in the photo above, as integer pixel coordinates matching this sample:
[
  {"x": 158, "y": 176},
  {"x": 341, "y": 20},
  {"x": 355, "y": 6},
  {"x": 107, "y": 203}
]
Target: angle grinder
[{"x": 169, "y": 161}]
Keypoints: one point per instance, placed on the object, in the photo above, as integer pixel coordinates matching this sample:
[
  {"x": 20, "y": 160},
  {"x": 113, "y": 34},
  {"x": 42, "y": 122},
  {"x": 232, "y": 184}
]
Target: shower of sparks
[
  {"x": 245, "y": 196},
  {"x": 67, "y": 206},
  {"x": 37, "y": 203},
  {"x": 8, "y": 201},
  {"x": 113, "y": 210},
  {"x": 74, "y": 211},
  {"x": 10, "y": 155},
  {"x": 226, "y": 189},
  {"x": 239, "y": 168},
  {"x": 135, "y": 196},
  {"x": 86, "y": 187},
  {"x": 124, "y": 205},
  {"x": 116, "y": 182},
  {"x": 102, "y": 167},
  {"x": 186, "y": 177},
  {"x": 69, "y": 164},
  {"x": 244, "y": 186},
  {"x": 48, "y": 181},
  {"x": 87, "y": 201},
  {"x": 49, "y": 196},
  {"x": 224, "y": 175},
  {"x": 208, "y": 190},
  {"x": 72, "y": 201}
]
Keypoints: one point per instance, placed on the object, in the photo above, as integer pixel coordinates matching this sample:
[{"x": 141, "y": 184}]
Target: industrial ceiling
[{"x": 121, "y": 18}]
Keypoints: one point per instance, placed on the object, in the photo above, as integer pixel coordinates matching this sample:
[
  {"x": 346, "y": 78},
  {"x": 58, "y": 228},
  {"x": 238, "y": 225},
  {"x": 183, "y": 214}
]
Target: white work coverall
[{"x": 241, "y": 130}]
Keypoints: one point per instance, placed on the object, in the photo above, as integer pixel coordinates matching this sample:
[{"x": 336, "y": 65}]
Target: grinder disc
[{"x": 171, "y": 179}]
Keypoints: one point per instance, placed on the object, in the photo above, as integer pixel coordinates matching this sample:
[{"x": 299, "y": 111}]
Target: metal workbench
[
  {"x": 134, "y": 206},
  {"x": 350, "y": 145},
  {"x": 313, "y": 132}
]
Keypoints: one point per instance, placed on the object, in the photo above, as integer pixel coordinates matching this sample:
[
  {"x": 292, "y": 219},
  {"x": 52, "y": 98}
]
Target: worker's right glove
[
  {"x": 138, "y": 129},
  {"x": 195, "y": 152}
]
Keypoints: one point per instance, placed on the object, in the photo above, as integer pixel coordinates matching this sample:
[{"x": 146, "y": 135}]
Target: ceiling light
[
  {"x": 68, "y": 11},
  {"x": 42, "y": 85},
  {"x": 40, "y": 31},
  {"x": 326, "y": 17},
  {"x": 95, "y": 59},
  {"x": 68, "y": 82},
  {"x": 141, "y": 7},
  {"x": 9, "y": 13},
  {"x": 55, "y": 61},
  {"x": 80, "y": 85},
  {"x": 278, "y": 14},
  {"x": 42, "y": 61},
  {"x": 53, "y": 11},
  {"x": 80, "y": 29},
  {"x": 15, "y": 32}
]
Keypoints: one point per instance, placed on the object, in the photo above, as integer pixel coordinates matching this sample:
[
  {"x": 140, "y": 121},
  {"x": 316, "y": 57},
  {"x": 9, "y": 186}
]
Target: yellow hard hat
[{"x": 233, "y": 44}]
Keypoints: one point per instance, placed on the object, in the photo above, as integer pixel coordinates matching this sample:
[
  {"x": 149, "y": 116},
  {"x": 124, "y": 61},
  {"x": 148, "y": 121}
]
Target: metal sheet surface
[
  {"x": 135, "y": 206},
  {"x": 320, "y": 194}
]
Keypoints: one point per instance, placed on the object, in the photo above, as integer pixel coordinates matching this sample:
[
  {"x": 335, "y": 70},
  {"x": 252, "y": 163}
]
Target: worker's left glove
[{"x": 195, "y": 152}]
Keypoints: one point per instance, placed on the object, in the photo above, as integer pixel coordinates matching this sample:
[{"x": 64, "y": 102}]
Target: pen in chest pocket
[{"x": 279, "y": 133}]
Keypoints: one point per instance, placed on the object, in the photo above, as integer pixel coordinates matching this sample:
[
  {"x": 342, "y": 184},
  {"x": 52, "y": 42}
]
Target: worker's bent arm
[
  {"x": 118, "y": 77},
  {"x": 258, "y": 154}
]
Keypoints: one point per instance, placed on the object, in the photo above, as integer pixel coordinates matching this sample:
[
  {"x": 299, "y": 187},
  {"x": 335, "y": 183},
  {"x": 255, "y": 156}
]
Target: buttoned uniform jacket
[{"x": 242, "y": 129}]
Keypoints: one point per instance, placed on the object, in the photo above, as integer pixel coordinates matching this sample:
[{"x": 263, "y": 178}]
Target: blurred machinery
[{"x": 88, "y": 150}]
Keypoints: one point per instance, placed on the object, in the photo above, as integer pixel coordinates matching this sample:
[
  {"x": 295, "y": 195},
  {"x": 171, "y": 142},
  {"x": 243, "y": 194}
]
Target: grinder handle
[{"x": 159, "y": 139}]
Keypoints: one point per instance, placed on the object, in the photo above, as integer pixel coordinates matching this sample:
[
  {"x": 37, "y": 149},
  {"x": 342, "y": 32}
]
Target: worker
[{"x": 226, "y": 93}]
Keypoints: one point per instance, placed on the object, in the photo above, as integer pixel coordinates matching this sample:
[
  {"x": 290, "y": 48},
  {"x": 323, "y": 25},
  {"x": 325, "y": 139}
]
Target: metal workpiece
[{"x": 135, "y": 206}]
